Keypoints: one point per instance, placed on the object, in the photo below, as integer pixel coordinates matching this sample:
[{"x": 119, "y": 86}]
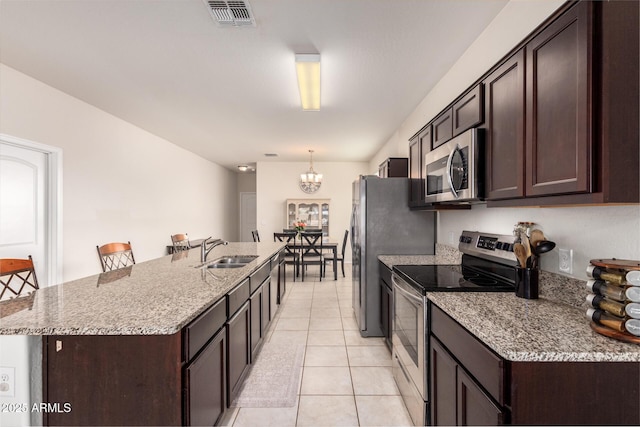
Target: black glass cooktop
[{"x": 454, "y": 278}]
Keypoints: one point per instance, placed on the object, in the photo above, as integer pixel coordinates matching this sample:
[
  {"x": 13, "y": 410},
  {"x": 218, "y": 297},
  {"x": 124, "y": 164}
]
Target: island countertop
[{"x": 156, "y": 297}]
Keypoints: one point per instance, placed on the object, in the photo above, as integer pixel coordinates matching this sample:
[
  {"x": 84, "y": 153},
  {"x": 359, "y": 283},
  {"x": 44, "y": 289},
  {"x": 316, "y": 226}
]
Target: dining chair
[
  {"x": 180, "y": 242},
  {"x": 16, "y": 276},
  {"x": 311, "y": 251},
  {"x": 339, "y": 257},
  {"x": 255, "y": 235},
  {"x": 115, "y": 255},
  {"x": 291, "y": 255}
]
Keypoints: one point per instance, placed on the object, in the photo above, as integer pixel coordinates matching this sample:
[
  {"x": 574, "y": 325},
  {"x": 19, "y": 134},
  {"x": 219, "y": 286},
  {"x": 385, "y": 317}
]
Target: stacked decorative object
[{"x": 615, "y": 298}]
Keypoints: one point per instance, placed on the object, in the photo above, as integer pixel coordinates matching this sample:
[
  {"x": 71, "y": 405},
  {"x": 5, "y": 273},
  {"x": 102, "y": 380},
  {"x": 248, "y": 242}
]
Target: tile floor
[{"x": 346, "y": 379}]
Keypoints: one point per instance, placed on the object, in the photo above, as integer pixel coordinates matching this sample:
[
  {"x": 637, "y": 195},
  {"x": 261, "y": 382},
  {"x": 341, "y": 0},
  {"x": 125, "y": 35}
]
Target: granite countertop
[
  {"x": 551, "y": 328},
  {"x": 157, "y": 297}
]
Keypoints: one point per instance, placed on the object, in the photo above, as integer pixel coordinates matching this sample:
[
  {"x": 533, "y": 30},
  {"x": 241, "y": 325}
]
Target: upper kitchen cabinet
[
  {"x": 468, "y": 111},
  {"x": 418, "y": 146},
  {"x": 558, "y": 137},
  {"x": 504, "y": 129},
  {"x": 581, "y": 135},
  {"x": 442, "y": 128},
  {"x": 394, "y": 167}
]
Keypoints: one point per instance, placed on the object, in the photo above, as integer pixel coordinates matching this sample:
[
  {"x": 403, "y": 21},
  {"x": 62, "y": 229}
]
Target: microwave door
[{"x": 455, "y": 171}]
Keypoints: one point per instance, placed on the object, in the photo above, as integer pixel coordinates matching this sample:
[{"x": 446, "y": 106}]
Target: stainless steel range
[{"x": 488, "y": 265}]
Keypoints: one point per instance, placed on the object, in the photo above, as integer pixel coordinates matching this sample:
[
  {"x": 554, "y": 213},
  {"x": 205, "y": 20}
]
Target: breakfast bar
[{"x": 170, "y": 340}]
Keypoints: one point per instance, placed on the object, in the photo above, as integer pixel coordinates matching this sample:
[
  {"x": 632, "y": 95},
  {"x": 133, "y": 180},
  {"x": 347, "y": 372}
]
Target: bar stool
[{"x": 115, "y": 255}]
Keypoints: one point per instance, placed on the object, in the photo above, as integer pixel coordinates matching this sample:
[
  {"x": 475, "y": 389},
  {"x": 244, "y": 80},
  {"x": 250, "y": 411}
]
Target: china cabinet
[{"x": 313, "y": 212}]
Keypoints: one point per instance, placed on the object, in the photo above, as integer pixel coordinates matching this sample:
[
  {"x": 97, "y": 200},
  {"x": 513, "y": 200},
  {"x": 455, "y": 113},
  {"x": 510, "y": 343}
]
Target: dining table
[{"x": 299, "y": 245}]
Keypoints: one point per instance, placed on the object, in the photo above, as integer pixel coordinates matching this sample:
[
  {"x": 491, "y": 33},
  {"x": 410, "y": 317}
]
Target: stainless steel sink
[{"x": 233, "y": 261}]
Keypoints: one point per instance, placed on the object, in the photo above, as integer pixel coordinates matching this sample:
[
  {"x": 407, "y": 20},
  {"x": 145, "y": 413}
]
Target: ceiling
[{"x": 230, "y": 94}]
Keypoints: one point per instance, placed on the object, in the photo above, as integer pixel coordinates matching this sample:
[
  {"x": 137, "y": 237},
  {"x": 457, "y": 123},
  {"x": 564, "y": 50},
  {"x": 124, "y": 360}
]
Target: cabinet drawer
[
  {"x": 198, "y": 332},
  {"x": 259, "y": 276},
  {"x": 238, "y": 296},
  {"x": 477, "y": 359}
]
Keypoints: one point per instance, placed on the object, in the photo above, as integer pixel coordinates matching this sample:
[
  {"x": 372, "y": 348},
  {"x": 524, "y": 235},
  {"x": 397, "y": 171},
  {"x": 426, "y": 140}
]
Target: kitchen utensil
[
  {"x": 527, "y": 247},
  {"x": 536, "y": 237},
  {"x": 543, "y": 247},
  {"x": 521, "y": 253}
]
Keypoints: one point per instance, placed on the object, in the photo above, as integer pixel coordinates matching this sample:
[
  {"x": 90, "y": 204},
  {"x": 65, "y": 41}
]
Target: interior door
[
  {"x": 248, "y": 216},
  {"x": 23, "y": 232},
  {"x": 23, "y": 206}
]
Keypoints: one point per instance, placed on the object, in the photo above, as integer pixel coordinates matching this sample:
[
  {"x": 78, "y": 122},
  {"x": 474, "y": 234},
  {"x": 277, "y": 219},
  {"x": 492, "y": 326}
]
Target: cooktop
[{"x": 450, "y": 278}]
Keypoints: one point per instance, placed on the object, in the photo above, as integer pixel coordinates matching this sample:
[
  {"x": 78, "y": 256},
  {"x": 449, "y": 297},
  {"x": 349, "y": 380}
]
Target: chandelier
[{"x": 310, "y": 181}]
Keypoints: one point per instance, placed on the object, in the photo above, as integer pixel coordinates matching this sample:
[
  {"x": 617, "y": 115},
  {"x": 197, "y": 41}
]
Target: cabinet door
[
  {"x": 468, "y": 111},
  {"x": 443, "y": 386},
  {"x": 504, "y": 129},
  {"x": 386, "y": 316},
  {"x": 442, "y": 128},
  {"x": 418, "y": 147},
  {"x": 474, "y": 406},
  {"x": 205, "y": 384},
  {"x": 256, "y": 320},
  {"x": 383, "y": 170},
  {"x": 238, "y": 339},
  {"x": 558, "y": 129}
]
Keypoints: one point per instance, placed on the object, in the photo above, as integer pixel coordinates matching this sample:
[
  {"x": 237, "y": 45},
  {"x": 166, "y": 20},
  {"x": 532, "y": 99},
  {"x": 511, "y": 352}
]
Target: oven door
[{"x": 409, "y": 350}]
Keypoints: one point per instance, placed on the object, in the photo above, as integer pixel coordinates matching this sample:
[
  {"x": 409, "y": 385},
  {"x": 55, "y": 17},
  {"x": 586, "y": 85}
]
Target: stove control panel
[{"x": 497, "y": 247}]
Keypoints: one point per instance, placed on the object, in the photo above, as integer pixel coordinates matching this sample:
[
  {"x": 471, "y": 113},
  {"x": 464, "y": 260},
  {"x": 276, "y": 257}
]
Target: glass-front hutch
[{"x": 314, "y": 212}]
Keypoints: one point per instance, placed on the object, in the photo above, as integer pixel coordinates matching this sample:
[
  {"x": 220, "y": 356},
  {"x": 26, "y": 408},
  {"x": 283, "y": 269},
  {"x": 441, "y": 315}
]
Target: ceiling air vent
[{"x": 236, "y": 13}]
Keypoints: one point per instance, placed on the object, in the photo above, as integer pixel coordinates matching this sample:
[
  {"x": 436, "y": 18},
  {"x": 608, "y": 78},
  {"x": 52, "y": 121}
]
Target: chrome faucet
[{"x": 203, "y": 248}]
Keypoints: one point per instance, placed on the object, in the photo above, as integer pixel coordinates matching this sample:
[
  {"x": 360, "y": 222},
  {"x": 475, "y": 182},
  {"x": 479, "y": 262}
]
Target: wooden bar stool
[
  {"x": 115, "y": 255},
  {"x": 180, "y": 242},
  {"x": 16, "y": 276}
]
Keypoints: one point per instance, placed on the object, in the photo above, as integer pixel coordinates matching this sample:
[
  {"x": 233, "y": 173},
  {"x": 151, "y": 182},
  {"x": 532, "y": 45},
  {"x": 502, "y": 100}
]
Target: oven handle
[
  {"x": 449, "y": 165},
  {"x": 417, "y": 300}
]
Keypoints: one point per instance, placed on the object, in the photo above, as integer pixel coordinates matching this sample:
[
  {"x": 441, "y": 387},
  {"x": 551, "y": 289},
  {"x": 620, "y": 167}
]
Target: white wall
[
  {"x": 119, "y": 181},
  {"x": 278, "y": 181},
  {"x": 592, "y": 232}
]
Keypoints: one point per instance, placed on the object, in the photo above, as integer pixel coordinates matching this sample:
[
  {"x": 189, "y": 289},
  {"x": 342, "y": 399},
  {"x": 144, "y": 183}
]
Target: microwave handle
[{"x": 449, "y": 177}]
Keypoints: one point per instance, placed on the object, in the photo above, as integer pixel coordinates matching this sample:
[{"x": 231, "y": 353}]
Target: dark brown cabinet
[
  {"x": 386, "y": 304},
  {"x": 205, "y": 387},
  {"x": 442, "y": 128},
  {"x": 394, "y": 167},
  {"x": 418, "y": 147},
  {"x": 504, "y": 129},
  {"x": 472, "y": 385},
  {"x": 239, "y": 351},
  {"x": 468, "y": 111},
  {"x": 558, "y": 126}
]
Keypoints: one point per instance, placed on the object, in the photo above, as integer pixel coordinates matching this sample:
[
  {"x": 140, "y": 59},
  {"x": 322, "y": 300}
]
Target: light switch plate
[{"x": 565, "y": 263}]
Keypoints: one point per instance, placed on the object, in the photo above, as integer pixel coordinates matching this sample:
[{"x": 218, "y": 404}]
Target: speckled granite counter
[
  {"x": 157, "y": 297},
  {"x": 551, "y": 328}
]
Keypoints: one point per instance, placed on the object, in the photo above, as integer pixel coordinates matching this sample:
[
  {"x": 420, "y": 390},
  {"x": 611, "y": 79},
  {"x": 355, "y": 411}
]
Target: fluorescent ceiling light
[{"x": 308, "y": 71}]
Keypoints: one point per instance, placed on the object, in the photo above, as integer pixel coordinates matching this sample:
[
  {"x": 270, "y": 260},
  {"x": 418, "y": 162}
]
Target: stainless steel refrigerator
[{"x": 382, "y": 224}]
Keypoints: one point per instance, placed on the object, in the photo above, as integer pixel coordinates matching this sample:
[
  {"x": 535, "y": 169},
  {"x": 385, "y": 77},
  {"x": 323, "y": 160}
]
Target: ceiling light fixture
[
  {"x": 310, "y": 181},
  {"x": 243, "y": 168},
  {"x": 308, "y": 71}
]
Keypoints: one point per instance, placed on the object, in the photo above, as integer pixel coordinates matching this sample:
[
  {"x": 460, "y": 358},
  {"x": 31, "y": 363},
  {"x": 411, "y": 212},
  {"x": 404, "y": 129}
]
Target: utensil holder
[{"x": 527, "y": 283}]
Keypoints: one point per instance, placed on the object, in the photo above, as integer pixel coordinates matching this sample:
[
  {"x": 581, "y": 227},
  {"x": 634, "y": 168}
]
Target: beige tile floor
[{"x": 346, "y": 379}]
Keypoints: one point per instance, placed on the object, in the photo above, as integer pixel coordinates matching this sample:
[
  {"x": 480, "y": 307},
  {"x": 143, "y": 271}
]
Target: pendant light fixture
[{"x": 310, "y": 181}]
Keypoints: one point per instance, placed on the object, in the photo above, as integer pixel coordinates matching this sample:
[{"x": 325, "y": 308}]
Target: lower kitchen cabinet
[
  {"x": 386, "y": 304},
  {"x": 471, "y": 385},
  {"x": 205, "y": 387},
  {"x": 239, "y": 351}
]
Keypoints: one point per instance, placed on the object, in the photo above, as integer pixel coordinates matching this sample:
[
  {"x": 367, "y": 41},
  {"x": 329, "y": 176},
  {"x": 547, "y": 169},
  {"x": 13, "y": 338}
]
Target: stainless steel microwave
[{"x": 454, "y": 171}]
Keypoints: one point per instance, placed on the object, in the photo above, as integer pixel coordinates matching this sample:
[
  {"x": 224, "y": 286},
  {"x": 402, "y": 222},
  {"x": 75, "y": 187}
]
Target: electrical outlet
[
  {"x": 565, "y": 263},
  {"x": 7, "y": 382}
]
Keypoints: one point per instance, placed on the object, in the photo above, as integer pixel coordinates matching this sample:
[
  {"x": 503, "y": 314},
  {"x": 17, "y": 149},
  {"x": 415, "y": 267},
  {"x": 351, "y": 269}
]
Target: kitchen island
[
  {"x": 499, "y": 359},
  {"x": 163, "y": 342}
]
